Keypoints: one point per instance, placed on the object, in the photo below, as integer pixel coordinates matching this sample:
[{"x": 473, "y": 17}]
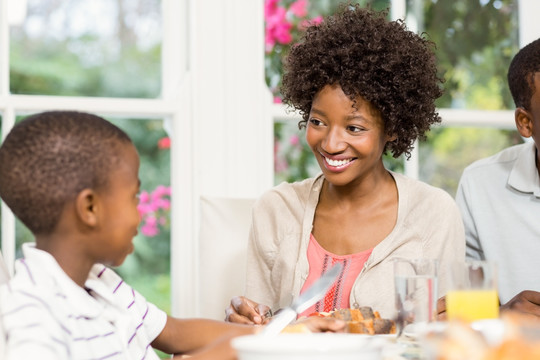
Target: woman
[{"x": 364, "y": 86}]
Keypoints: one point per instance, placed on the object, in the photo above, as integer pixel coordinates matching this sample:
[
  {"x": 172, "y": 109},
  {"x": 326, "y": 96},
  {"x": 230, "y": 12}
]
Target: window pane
[
  {"x": 448, "y": 150},
  {"x": 147, "y": 269},
  {"x": 476, "y": 41},
  {"x": 86, "y": 48}
]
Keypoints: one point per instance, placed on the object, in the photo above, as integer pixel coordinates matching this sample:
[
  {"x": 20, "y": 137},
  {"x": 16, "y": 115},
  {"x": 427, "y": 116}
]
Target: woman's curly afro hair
[{"x": 368, "y": 56}]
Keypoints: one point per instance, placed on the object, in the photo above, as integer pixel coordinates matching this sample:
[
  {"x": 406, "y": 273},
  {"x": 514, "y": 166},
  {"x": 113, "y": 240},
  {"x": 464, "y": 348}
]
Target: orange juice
[{"x": 470, "y": 305}]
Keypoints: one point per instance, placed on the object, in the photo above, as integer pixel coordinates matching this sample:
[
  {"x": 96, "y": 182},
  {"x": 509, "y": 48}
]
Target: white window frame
[{"x": 219, "y": 112}]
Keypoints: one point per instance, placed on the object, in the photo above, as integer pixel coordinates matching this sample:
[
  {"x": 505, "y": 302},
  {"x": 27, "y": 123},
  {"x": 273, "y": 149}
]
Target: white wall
[{"x": 227, "y": 140}]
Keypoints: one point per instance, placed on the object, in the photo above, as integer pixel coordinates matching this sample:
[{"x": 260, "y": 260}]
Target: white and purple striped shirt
[{"x": 46, "y": 315}]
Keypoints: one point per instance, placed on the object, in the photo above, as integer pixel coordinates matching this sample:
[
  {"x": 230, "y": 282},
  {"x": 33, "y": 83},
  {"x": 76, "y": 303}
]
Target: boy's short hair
[
  {"x": 521, "y": 74},
  {"x": 48, "y": 158},
  {"x": 367, "y": 55}
]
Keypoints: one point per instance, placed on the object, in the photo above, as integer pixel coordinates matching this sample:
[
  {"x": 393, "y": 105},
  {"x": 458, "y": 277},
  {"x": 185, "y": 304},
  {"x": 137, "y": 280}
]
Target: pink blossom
[
  {"x": 145, "y": 209},
  {"x": 277, "y": 100},
  {"x": 153, "y": 208},
  {"x": 162, "y": 204},
  {"x": 151, "y": 221},
  {"x": 269, "y": 41},
  {"x": 164, "y": 143},
  {"x": 278, "y": 29},
  {"x": 144, "y": 197},
  {"x": 299, "y": 8},
  {"x": 307, "y": 23},
  {"x": 294, "y": 140},
  {"x": 270, "y": 7},
  {"x": 316, "y": 20},
  {"x": 149, "y": 230}
]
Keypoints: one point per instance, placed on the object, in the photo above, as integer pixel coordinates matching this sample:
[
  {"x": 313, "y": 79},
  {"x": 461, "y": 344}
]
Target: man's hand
[
  {"x": 245, "y": 311},
  {"x": 527, "y": 302}
]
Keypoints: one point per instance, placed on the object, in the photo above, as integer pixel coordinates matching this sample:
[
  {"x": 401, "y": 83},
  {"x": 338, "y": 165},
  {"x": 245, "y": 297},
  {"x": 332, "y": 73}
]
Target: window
[{"x": 103, "y": 57}]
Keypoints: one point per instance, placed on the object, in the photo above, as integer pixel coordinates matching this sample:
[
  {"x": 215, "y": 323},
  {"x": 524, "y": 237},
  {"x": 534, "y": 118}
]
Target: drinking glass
[
  {"x": 473, "y": 291},
  {"x": 415, "y": 283}
]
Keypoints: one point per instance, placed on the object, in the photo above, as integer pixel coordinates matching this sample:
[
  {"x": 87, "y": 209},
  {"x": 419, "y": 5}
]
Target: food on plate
[
  {"x": 363, "y": 321},
  {"x": 520, "y": 339},
  {"x": 296, "y": 328}
]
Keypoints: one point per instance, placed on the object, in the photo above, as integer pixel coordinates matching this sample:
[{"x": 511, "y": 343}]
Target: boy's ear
[
  {"x": 524, "y": 122},
  {"x": 86, "y": 207}
]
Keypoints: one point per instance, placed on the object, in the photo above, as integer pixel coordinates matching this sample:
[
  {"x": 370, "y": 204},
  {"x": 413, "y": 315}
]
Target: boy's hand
[
  {"x": 245, "y": 311},
  {"x": 527, "y": 302}
]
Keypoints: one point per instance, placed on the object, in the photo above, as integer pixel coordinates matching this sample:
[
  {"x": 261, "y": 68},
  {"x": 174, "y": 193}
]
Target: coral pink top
[{"x": 337, "y": 297}]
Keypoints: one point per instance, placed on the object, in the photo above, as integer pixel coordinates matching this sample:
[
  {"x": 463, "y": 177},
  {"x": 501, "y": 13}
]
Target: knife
[{"x": 309, "y": 297}]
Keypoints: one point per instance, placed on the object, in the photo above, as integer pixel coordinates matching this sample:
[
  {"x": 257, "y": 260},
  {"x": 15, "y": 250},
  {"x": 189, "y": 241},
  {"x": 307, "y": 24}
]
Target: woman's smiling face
[{"x": 347, "y": 139}]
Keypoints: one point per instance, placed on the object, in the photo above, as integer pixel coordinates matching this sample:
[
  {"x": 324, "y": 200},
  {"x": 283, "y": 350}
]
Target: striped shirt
[{"x": 46, "y": 315}]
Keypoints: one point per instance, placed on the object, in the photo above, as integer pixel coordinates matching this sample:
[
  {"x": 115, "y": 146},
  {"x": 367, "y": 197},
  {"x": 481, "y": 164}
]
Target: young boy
[{"x": 72, "y": 179}]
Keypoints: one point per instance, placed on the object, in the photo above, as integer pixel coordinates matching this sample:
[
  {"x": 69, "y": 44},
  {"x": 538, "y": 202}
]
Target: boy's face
[{"x": 119, "y": 217}]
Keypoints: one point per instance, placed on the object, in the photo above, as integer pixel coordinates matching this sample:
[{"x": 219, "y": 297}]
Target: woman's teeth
[{"x": 337, "y": 163}]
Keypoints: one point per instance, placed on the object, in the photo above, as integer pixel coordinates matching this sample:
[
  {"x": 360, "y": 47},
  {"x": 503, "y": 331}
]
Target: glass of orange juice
[{"x": 473, "y": 291}]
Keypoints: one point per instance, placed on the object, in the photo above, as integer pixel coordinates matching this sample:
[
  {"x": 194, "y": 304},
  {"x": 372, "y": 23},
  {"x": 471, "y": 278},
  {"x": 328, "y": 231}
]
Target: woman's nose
[{"x": 333, "y": 142}]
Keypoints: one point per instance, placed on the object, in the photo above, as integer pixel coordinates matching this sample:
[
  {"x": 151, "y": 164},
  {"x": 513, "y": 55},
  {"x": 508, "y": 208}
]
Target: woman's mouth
[{"x": 337, "y": 165}]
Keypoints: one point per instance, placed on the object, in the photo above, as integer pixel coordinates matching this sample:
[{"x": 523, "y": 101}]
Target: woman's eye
[
  {"x": 315, "y": 122},
  {"x": 354, "y": 129}
]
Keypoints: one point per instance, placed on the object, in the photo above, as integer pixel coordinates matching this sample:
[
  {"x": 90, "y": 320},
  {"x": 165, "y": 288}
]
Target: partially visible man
[{"x": 499, "y": 196}]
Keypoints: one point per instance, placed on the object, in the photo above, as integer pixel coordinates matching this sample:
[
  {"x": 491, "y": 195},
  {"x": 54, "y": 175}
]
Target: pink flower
[
  {"x": 282, "y": 33},
  {"x": 307, "y": 23},
  {"x": 153, "y": 208},
  {"x": 278, "y": 29},
  {"x": 164, "y": 143},
  {"x": 294, "y": 140},
  {"x": 151, "y": 221},
  {"x": 162, "y": 204},
  {"x": 149, "y": 230},
  {"x": 144, "y": 197},
  {"x": 299, "y": 8},
  {"x": 277, "y": 100},
  {"x": 160, "y": 191},
  {"x": 270, "y": 7},
  {"x": 316, "y": 20}
]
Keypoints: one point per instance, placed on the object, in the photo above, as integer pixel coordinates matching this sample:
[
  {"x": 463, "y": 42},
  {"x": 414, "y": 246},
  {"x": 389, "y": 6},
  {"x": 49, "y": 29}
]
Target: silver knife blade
[
  {"x": 309, "y": 297},
  {"x": 316, "y": 291}
]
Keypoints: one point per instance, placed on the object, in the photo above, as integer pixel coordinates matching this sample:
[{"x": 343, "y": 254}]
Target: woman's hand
[
  {"x": 245, "y": 311},
  {"x": 441, "y": 309},
  {"x": 322, "y": 324}
]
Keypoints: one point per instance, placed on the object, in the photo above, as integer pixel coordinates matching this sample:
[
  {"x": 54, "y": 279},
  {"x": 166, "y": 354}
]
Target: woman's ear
[
  {"x": 390, "y": 138},
  {"x": 86, "y": 207},
  {"x": 524, "y": 122}
]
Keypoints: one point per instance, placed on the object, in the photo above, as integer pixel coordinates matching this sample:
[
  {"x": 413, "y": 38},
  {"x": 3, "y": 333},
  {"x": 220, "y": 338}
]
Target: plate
[
  {"x": 315, "y": 346},
  {"x": 420, "y": 329},
  {"x": 491, "y": 329}
]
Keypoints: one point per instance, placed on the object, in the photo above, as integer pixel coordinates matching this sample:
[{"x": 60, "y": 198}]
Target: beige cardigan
[{"x": 428, "y": 225}]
